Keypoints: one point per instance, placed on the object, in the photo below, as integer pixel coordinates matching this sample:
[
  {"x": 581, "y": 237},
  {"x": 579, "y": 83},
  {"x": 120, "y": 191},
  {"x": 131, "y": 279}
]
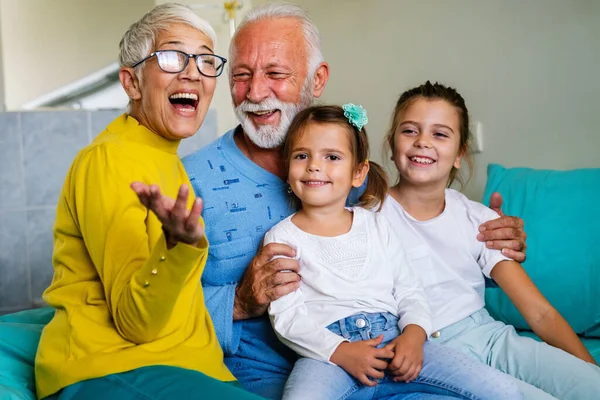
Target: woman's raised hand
[{"x": 179, "y": 223}]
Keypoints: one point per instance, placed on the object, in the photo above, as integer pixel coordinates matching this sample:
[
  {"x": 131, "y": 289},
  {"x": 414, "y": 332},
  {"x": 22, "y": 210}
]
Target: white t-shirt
[
  {"x": 447, "y": 256},
  {"x": 363, "y": 270}
]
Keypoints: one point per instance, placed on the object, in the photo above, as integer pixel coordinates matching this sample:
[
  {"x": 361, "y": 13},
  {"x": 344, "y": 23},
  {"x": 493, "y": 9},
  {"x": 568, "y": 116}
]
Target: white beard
[{"x": 269, "y": 136}]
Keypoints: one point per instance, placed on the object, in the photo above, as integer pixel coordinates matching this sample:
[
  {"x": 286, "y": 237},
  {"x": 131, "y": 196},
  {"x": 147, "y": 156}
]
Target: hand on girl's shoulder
[{"x": 477, "y": 212}]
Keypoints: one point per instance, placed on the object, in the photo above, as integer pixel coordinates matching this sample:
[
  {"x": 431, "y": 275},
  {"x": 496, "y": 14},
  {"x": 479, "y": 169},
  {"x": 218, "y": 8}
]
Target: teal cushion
[
  {"x": 593, "y": 345},
  {"x": 19, "y": 338},
  {"x": 559, "y": 209}
]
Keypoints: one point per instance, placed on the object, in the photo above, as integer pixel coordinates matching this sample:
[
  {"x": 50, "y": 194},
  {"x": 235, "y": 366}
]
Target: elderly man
[{"x": 277, "y": 69}]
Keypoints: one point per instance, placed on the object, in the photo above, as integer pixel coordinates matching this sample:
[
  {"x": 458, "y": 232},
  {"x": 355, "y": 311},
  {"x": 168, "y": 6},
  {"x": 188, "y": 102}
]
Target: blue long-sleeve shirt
[{"x": 242, "y": 201}]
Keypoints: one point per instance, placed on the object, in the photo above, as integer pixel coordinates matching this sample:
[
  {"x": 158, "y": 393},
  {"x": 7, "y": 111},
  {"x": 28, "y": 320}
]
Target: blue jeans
[
  {"x": 543, "y": 372},
  {"x": 157, "y": 382},
  {"x": 445, "y": 373}
]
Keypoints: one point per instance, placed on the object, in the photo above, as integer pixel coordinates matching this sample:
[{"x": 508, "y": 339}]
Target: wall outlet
[{"x": 477, "y": 140}]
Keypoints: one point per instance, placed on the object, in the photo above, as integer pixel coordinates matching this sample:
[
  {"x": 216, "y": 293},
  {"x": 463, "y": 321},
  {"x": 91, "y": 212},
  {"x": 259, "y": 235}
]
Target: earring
[{"x": 289, "y": 189}]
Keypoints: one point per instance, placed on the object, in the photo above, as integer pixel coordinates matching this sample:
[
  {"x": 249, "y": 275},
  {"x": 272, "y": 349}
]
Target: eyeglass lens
[{"x": 175, "y": 61}]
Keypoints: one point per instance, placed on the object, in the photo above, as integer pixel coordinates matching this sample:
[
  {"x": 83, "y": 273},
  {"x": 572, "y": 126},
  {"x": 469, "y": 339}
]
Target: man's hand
[
  {"x": 179, "y": 223},
  {"x": 265, "y": 280},
  {"x": 408, "y": 354},
  {"x": 362, "y": 359},
  {"x": 505, "y": 233}
]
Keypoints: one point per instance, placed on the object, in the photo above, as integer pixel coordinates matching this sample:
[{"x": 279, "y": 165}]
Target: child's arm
[
  {"x": 415, "y": 321},
  {"x": 412, "y": 306},
  {"x": 543, "y": 319},
  {"x": 296, "y": 329}
]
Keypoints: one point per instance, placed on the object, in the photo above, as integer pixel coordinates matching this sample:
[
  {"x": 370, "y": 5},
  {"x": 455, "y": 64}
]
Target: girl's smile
[{"x": 421, "y": 160}]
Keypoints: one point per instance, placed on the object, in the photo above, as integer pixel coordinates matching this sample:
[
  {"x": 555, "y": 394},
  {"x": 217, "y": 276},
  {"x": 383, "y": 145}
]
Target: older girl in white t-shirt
[{"x": 428, "y": 138}]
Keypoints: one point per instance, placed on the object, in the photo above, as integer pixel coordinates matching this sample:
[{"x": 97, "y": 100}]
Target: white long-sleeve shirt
[
  {"x": 363, "y": 270},
  {"x": 446, "y": 255}
]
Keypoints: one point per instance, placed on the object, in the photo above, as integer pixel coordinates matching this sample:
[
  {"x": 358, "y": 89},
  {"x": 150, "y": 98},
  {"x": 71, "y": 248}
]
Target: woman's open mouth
[{"x": 185, "y": 102}]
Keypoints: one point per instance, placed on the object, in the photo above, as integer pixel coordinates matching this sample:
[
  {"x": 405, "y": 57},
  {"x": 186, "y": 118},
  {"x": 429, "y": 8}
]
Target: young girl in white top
[
  {"x": 360, "y": 317},
  {"x": 428, "y": 138}
]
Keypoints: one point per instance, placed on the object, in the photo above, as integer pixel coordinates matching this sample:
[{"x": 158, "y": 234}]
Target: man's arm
[
  {"x": 505, "y": 233},
  {"x": 262, "y": 283},
  {"x": 219, "y": 303}
]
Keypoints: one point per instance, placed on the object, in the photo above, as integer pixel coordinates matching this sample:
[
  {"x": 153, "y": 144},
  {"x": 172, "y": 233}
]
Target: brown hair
[
  {"x": 377, "y": 183},
  {"x": 435, "y": 91}
]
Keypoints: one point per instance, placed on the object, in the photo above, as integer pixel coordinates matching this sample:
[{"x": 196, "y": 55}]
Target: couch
[
  {"x": 563, "y": 253},
  {"x": 563, "y": 259}
]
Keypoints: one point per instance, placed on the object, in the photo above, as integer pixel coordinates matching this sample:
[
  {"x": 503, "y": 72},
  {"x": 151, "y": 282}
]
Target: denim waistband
[{"x": 372, "y": 321}]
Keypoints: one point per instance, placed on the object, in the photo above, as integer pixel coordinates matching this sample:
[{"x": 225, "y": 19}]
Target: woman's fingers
[
  {"x": 192, "y": 222},
  {"x": 142, "y": 191},
  {"x": 181, "y": 224},
  {"x": 178, "y": 213},
  {"x": 159, "y": 204},
  {"x": 184, "y": 224}
]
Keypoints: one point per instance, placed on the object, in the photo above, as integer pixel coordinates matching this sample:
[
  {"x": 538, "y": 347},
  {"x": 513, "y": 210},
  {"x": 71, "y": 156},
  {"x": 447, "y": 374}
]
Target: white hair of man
[
  {"x": 139, "y": 40},
  {"x": 285, "y": 10},
  {"x": 268, "y": 137}
]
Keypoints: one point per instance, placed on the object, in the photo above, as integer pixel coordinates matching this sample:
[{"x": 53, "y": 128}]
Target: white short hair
[
  {"x": 139, "y": 39},
  {"x": 286, "y": 10}
]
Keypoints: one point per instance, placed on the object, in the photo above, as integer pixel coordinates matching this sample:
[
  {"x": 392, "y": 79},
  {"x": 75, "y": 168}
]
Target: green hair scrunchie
[{"x": 356, "y": 115}]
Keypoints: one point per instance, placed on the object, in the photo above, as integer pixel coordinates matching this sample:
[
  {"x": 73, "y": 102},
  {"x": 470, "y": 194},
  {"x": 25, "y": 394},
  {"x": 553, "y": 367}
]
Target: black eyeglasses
[{"x": 175, "y": 61}]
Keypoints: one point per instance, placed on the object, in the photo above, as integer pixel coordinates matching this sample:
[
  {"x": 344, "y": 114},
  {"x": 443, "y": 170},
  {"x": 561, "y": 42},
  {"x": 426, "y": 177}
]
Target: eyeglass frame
[{"x": 185, "y": 64}]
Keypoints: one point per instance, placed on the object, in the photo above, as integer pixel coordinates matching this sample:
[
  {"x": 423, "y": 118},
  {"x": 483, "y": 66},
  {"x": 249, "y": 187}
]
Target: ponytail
[{"x": 376, "y": 190}]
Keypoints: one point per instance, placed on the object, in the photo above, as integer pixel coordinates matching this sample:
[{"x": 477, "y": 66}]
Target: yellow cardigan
[{"x": 122, "y": 300}]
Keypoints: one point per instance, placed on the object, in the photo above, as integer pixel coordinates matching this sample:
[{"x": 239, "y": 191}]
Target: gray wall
[
  {"x": 36, "y": 151},
  {"x": 528, "y": 70}
]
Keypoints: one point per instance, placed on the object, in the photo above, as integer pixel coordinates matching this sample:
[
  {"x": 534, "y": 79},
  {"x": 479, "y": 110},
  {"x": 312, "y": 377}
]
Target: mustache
[{"x": 265, "y": 105}]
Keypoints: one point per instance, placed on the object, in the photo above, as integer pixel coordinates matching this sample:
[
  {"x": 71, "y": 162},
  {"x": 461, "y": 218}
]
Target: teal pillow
[
  {"x": 559, "y": 209},
  {"x": 19, "y": 338}
]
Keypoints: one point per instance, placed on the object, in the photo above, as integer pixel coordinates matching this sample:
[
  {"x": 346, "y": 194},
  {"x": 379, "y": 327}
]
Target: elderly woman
[{"x": 130, "y": 317}]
